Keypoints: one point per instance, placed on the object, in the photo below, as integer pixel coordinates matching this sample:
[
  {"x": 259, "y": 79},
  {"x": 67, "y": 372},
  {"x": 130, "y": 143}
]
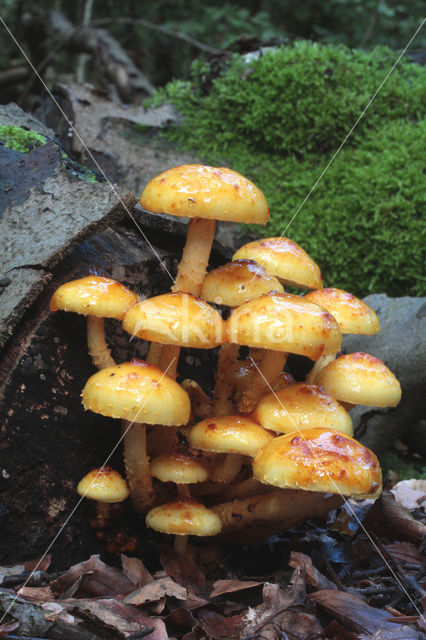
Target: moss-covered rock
[
  {"x": 279, "y": 119},
  {"x": 20, "y": 139}
]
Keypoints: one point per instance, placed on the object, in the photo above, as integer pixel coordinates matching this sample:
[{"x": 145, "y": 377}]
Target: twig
[
  {"x": 333, "y": 575},
  {"x": 410, "y": 582},
  {"x": 156, "y": 27}
]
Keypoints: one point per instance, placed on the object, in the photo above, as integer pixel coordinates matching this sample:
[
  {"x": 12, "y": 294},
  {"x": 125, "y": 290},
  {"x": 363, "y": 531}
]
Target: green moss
[
  {"x": 279, "y": 119},
  {"x": 406, "y": 469},
  {"x": 20, "y": 139}
]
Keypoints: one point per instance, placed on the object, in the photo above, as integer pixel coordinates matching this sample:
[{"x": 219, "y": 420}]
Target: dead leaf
[
  {"x": 313, "y": 577},
  {"x": 7, "y": 628},
  {"x": 356, "y": 615},
  {"x": 123, "y": 619},
  {"x": 276, "y": 600},
  {"x": 135, "y": 570},
  {"x": 92, "y": 578},
  {"x": 399, "y": 520},
  {"x": 38, "y": 595},
  {"x": 156, "y": 590},
  {"x": 411, "y": 494},
  {"x": 405, "y": 552},
  {"x": 220, "y": 587},
  {"x": 41, "y": 564},
  {"x": 220, "y": 627},
  {"x": 182, "y": 569}
]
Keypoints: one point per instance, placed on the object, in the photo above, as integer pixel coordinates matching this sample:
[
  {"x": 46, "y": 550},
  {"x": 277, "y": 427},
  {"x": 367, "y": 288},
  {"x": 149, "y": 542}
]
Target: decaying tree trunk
[{"x": 56, "y": 228}]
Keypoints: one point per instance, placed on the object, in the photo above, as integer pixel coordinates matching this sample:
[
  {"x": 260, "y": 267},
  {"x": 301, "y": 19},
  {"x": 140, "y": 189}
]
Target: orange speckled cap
[
  {"x": 284, "y": 259},
  {"x": 103, "y": 485},
  {"x": 180, "y": 467},
  {"x": 176, "y": 318},
  {"x": 199, "y": 191},
  {"x": 237, "y": 282},
  {"x": 322, "y": 460},
  {"x": 359, "y": 378},
  {"x": 184, "y": 517},
  {"x": 283, "y": 322},
  {"x": 94, "y": 296},
  {"x": 137, "y": 391},
  {"x": 301, "y": 406},
  {"x": 229, "y": 434},
  {"x": 351, "y": 313}
]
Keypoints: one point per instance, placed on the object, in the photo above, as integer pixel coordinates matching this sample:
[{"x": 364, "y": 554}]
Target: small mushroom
[
  {"x": 320, "y": 459},
  {"x": 352, "y": 315},
  {"x": 285, "y": 259},
  {"x": 280, "y": 323},
  {"x": 176, "y": 319},
  {"x": 105, "y": 486},
  {"x": 183, "y": 468},
  {"x": 138, "y": 393},
  {"x": 97, "y": 298},
  {"x": 299, "y": 407},
  {"x": 358, "y": 378},
  {"x": 231, "y": 285},
  {"x": 204, "y": 194}
]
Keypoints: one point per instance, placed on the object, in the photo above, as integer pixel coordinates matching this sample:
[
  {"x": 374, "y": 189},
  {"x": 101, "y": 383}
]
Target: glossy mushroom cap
[
  {"x": 229, "y": 434},
  {"x": 319, "y": 460},
  {"x": 139, "y": 392},
  {"x": 199, "y": 191},
  {"x": 283, "y": 322},
  {"x": 179, "y": 319},
  {"x": 94, "y": 296},
  {"x": 103, "y": 485},
  {"x": 179, "y": 467},
  {"x": 237, "y": 282},
  {"x": 284, "y": 259},
  {"x": 301, "y": 406},
  {"x": 351, "y": 313},
  {"x": 184, "y": 517},
  {"x": 359, "y": 378},
  {"x": 244, "y": 370}
]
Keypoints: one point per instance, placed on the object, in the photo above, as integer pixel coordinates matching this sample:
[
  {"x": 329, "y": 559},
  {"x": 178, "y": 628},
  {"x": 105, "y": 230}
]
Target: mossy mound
[
  {"x": 20, "y": 139},
  {"x": 280, "y": 118}
]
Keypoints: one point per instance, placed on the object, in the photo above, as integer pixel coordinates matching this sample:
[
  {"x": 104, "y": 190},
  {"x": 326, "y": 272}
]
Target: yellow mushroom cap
[
  {"x": 180, "y": 319},
  {"x": 93, "y": 296},
  {"x": 244, "y": 370},
  {"x": 359, "y": 378},
  {"x": 229, "y": 434},
  {"x": 179, "y": 467},
  {"x": 319, "y": 460},
  {"x": 137, "y": 391},
  {"x": 351, "y": 313},
  {"x": 301, "y": 406},
  {"x": 284, "y": 259},
  {"x": 283, "y": 322},
  {"x": 103, "y": 485},
  {"x": 200, "y": 191},
  {"x": 184, "y": 517},
  {"x": 237, "y": 282}
]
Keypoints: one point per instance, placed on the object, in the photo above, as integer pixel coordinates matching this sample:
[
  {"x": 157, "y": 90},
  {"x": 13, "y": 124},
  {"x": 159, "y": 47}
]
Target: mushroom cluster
[{"x": 265, "y": 451}]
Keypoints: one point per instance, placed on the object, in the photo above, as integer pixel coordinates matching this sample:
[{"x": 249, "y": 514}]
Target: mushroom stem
[
  {"x": 97, "y": 346},
  {"x": 227, "y": 357},
  {"x": 280, "y": 510},
  {"x": 322, "y": 362},
  {"x": 169, "y": 359},
  {"x": 195, "y": 256},
  {"x": 201, "y": 403},
  {"x": 245, "y": 489},
  {"x": 228, "y": 469},
  {"x": 136, "y": 462},
  {"x": 181, "y": 542},
  {"x": 154, "y": 353},
  {"x": 190, "y": 276},
  {"x": 269, "y": 370},
  {"x": 102, "y": 514}
]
